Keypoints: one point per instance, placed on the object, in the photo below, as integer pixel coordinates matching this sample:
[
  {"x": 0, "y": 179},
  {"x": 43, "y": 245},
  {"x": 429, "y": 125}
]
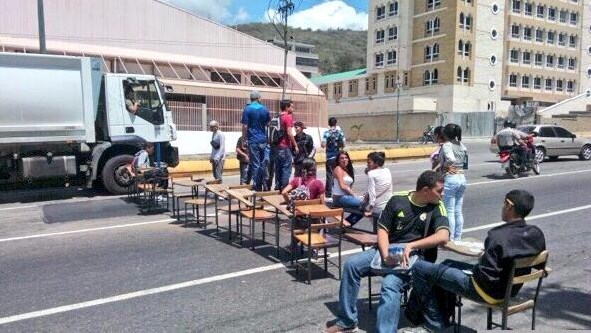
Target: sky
[{"x": 313, "y": 14}]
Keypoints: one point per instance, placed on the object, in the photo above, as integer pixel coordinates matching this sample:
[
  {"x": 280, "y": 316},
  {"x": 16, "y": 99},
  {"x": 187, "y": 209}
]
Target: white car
[{"x": 552, "y": 141}]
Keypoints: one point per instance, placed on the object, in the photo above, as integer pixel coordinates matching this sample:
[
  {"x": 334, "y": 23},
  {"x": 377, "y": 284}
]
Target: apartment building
[
  {"x": 306, "y": 59},
  {"x": 464, "y": 56}
]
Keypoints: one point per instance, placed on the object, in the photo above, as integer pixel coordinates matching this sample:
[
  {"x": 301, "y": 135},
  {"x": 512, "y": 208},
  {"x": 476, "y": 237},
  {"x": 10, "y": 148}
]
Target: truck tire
[{"x": 115, "y": 179}]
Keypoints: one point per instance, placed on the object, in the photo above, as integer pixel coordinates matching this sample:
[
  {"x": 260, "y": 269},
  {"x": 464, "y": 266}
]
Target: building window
[
  {"x": 526, "y": 57},
  {"x": 353, "y": 88},
  {"x": 493, "y": 33},
  {"x": 494, "y": 8},
  {"x": 549, "y": 61},
  {"x": 572, "y": 63},
  {"x": 370, "y": 85},
  {"x": 431, "y": 52},
  {"x": 573, "y": 18},
  {"x": 538, "y": 59},
  {"x": 537, "y": 82},
  {"x": 430, "y": 77},
  {"x": 515, "y": 31},
  {"x": 380, "y": 36},
  {"x": 493, "y": 59},
  {"x": 561, "y": 62},
  {"x": 393, "y": 9},
  {"x": 527, "y": 33},
  {"x": 551, "y": 14},
  {"x": 527, "y": 9},
  {"x": 461, "y": 47},
  {"x": 540, "y": 11},
  {"x": 562, "y": 16},
  {"x": 513, "y": 80},
  {"x": 380, "y": 12},
  {"x": 550, "y": 37},
  {"x": 463, "y": 75},
  {"x": 559, "y": 85},
  {"x": 561, "y": 39},
  {"x": 514, "y": 56},
  {"x": 436, "y": 25},
  {"x": 491, "y": 85},
  {"x": 428, "y": 53},
  {"x": 572, "y": 41},
  {"x": 391, "y": 57},
  {"x": 548, "y": 84},
  {"x": 432, "y": 26},
  {"x": 433, "y": 4},
  {"x": 539, "y": 35},
  {"x": 324, "y": 89},
  {"x": 392, "y": 33},
  {"x": 465, "y": 21},
  {"x": 570, "y": 86},
  {"x": 337, "y": 90},
  {"x": 525, "y": 81},
  {"x": 379, "y": 60},
  {"x": 516, "y": 6}
]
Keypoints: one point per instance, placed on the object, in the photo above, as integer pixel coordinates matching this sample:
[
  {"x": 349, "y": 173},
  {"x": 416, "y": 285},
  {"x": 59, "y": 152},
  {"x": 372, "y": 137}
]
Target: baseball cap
[
  {"x": 299, "y": 124},
  {"x": 255, "y": 94},
  {"x": 214, "y": 123}
]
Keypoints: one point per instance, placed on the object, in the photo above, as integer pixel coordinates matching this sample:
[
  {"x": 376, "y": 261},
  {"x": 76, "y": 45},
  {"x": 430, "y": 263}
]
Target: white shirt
[
  {"x": 336, "y": 188},
  {"x": 379, "y": 188}
]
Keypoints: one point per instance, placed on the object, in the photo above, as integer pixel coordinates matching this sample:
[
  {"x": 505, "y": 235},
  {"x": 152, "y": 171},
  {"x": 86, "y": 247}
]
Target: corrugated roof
[{"x": 318, "y": 80}]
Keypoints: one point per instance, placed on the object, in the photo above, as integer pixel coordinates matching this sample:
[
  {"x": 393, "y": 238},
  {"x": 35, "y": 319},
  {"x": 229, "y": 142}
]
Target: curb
[{"x": 356, "y": 155}]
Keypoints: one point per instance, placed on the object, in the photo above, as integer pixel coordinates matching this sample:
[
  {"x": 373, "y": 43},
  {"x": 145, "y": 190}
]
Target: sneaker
[
  {"x": 338, "y": 329},
  {"x": 160, "y": 198},
  {"x": 418, "y": 329}
]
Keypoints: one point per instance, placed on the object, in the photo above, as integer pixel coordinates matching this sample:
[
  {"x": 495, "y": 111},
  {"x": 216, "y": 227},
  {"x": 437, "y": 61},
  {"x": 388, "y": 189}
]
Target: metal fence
[{"x": 188, "y": 116}]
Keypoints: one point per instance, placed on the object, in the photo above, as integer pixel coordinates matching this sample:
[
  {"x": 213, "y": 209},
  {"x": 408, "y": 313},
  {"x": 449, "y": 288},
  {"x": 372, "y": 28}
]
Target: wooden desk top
[
  {"x": 470, "y": 247},
  {"x": 217, "y": 189},
  {"x": 278, "y": 201},
  {"x": 307, "y": 209},
  {"x": 186, "y": 182},
  {"x": 241, "y": 194}
]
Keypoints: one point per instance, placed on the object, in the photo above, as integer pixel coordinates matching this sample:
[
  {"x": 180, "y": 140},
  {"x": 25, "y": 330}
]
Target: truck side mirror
[
  {"x": 573, "y": 136},
  {"x": 168, "y": 89}
]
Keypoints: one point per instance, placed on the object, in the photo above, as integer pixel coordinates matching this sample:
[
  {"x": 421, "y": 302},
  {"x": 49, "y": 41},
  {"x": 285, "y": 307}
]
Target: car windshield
[{"x": 526, "y": 129}]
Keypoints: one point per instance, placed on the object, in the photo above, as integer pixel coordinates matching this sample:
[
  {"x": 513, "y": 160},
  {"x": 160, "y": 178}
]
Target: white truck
[{"x": 61, "y": 116}]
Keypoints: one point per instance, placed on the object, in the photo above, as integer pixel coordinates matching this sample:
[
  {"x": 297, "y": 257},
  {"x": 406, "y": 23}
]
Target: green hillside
[{"x": 338, "y": 50}]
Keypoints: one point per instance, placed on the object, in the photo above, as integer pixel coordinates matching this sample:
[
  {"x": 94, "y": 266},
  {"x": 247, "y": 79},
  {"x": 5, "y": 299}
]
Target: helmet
[{"x": 506, "y": 123}]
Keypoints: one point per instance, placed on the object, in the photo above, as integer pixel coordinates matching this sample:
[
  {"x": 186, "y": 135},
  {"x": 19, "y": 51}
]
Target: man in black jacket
[
  {"x": 489, "y": 278},
  {"x": 306, "y": 147}
]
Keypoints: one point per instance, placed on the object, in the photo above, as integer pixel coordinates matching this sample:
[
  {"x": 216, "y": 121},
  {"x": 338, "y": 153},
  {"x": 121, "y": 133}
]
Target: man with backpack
[
  {"x": 255, "y": 118},
  {"x": 333, "y": 140},
  {"x": 283, "y": 142}
]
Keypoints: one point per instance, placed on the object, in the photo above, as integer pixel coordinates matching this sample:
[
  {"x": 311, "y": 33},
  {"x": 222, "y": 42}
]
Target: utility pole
[
  {"x": 285, "y": 10},
  {"x": 41, "y": 20}
]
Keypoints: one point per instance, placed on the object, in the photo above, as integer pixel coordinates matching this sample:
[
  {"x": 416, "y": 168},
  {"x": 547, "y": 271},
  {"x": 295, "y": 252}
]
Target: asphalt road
[{"x": 100, "y": 265}]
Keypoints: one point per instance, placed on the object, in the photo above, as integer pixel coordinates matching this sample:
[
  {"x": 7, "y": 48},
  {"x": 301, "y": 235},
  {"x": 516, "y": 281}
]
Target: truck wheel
[{"x": 115, "y": 176}]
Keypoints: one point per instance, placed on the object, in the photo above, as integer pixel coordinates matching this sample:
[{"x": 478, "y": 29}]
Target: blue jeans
[
  {"x": 349, "y": 201},
  {"x": 453, "y": 199},
  {"x": 393, "y": 285},
  {"x": 283, "y": 160},
  {"x": 256, "y": 152},
  {"x": 448, "y": 276}
]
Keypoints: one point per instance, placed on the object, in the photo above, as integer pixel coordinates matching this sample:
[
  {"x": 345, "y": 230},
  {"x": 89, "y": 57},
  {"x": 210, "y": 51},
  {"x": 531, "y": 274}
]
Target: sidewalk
[{"x": 357, "y": 152}]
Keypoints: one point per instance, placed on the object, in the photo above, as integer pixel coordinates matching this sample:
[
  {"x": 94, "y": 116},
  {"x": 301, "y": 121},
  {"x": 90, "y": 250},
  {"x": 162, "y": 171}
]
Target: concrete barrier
[{"x": 196, "y": 166}]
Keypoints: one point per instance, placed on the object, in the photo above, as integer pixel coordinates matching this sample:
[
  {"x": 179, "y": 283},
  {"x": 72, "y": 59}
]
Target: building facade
[
  {"x": 211, "y": 67},
  {"x": 467, "y": 56},
  {"x": 306, "y": 60}
]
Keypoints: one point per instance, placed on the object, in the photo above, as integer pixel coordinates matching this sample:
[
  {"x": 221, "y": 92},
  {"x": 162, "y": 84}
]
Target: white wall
[{"x": 197, "y": 142}]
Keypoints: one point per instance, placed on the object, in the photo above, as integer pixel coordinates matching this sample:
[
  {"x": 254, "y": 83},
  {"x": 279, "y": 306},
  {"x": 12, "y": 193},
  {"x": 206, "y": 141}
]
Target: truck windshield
[{"x": 146, "y": 94}]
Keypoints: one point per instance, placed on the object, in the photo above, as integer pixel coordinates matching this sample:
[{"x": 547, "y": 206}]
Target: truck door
[{"x": 143, "y": 110}]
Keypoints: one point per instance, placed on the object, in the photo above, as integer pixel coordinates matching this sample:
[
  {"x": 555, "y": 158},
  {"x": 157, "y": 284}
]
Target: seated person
[
  {"x": 131, "y": 104},
  {"x": 379, "y": 185},
  {"x": 342, "y": 193},
  {"x": 141, "y": 165},
  {"x": 407, "y": 218},
  {"x": 489, "y": 277},
  {"x": 306, "y": 187}
]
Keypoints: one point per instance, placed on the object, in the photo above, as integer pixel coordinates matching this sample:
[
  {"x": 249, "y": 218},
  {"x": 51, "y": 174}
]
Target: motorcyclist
[
  {"x": 509, "y": 137},
  {"x": 428, "y": 134}
]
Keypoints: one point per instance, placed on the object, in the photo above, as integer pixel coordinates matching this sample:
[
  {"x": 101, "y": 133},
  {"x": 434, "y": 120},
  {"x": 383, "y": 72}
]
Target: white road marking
[
  {"x": 193, "y": 283},
  {"x": 120, "y": 226}
]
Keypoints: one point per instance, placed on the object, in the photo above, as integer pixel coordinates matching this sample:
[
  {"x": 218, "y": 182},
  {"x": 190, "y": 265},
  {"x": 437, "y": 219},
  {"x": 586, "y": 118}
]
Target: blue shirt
[{"x": 256, "y": 117}]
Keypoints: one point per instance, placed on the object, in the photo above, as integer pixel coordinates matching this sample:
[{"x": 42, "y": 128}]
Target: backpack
[
  {"x": 334, "y": 139},
  {"x": 274, "y": 131}
]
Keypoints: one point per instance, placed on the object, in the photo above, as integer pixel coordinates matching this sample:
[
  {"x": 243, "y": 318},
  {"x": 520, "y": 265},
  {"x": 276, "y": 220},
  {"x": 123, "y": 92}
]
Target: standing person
[
  {"x": 403, "y": 209},
  {"x": 439, "y": 140},
  {"x": 255, "y": 118},
  {"x": 243, "y": 160},
  {"x": 305, "y": 145},
  {"x": 283, "y": 156},
  {"x": 343, "y": 195},
  {"x": 379, "y": 185},
  {"x": 333, "y": 140},
  {"x": 218, "y": 150},
  {"x": 451, "y": 159},
  {"x": 489, "y": 278}
]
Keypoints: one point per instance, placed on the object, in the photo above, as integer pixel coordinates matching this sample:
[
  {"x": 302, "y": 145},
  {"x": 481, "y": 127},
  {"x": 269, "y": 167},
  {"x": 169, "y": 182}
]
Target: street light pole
[
  {"x": 398, "y": 87},
  {"x": 41, "y": 23}
]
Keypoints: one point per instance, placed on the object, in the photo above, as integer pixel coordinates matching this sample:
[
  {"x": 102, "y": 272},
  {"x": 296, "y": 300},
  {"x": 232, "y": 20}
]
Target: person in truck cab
[{"x": 131, "y": 104}]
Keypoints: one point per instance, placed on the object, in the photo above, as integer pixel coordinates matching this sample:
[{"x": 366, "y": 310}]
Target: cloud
[
  {"x": 216, "y": 10},
  {"x": 241, "y": 16},
  {"x": 332, "y": 14}
]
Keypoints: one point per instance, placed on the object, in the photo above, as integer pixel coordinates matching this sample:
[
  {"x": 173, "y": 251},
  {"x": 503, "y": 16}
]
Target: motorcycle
[
  {"x": 427, "y": 137},
  {"x": 512, "y": 162}
]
